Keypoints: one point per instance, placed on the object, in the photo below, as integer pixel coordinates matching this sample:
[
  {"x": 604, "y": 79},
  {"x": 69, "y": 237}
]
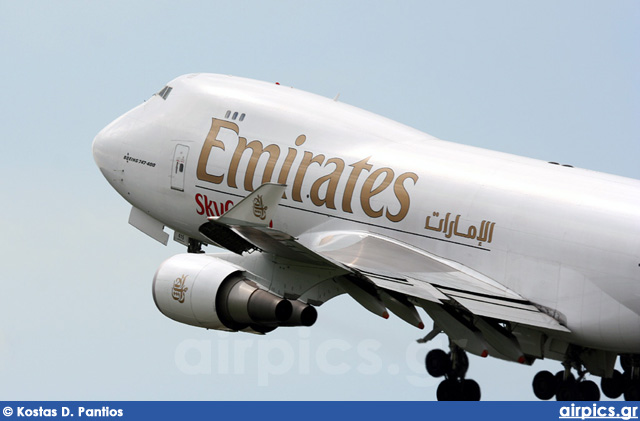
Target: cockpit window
[{"x": 164, "y": 93}]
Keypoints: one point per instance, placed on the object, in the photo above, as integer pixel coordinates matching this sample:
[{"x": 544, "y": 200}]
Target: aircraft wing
[
  {"x": 401, "y": 268},
  {"x": 382, "y": 273}
]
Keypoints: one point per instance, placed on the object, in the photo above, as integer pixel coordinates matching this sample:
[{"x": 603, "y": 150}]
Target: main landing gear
[
  {"x": 626, "y": 383},
  {"x": 453, "y": 366},
  {"x": 566, "y": 387}
]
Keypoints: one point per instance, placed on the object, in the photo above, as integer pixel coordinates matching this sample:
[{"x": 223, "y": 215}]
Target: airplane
[{"x": 307, "y": 198}]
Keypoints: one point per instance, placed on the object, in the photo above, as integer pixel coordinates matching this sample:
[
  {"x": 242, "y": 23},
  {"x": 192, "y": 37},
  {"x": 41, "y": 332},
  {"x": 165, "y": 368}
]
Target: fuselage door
[{"x": 179, "y": 166}]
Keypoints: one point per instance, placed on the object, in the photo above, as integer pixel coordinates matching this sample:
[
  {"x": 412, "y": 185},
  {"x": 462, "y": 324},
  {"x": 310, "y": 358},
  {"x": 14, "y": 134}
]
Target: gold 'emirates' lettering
[
  {"x": 323, "y": 190},
  {"x": 257, "y": 151}
]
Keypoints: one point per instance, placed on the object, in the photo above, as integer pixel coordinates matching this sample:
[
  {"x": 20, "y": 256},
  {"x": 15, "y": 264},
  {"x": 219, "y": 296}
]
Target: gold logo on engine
[
  {"x": 259, "y": 210},
  {"x": 179, "y": 290}
]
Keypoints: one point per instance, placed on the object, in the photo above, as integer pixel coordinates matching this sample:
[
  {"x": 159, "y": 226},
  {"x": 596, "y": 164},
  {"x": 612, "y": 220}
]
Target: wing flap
[
  {"x": 514, "y": 311},
  {"x": 407, "y": 286}
]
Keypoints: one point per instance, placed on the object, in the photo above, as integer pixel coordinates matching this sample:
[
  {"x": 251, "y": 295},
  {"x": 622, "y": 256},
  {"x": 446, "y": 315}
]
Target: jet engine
[{"x": 205, "y": 291}]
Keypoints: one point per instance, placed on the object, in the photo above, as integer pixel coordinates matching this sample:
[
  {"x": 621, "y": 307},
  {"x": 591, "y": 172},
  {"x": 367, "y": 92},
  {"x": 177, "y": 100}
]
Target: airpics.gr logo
[
  {"x": 595, "y": 411},
  {"x": 179, "y": 290}
]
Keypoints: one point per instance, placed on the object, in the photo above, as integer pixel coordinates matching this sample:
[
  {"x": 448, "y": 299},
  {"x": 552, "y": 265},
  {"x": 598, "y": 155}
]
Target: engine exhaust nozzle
[
  {"x": 242, "y": 303},
  {"x": 302, "y": 315}
]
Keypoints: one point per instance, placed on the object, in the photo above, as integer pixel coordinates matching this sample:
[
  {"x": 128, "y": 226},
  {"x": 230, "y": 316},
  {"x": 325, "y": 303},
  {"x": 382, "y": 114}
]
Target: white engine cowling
[{"x": 205, "y": 291}]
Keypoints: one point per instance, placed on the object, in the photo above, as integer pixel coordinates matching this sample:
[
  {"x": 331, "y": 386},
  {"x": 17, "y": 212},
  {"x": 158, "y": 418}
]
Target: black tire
[
  {"x": 589, "y": 391},
  {"x": 470, "y": 390},
  {"x": 545, "y": 385},
  {"x": 438, "y": 363},
  {"x": 613, "y": 387},
  {"x": 568, "y": 391},
  {"x": 560, "y": 377},
  {"x": 449, "y": 390},
  {"x": 632, "y": 393}
]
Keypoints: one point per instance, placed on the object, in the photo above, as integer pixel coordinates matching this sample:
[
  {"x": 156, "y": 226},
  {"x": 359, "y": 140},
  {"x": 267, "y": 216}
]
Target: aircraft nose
[
  {"x": 98, "y": 150},
  {"x": 106, "y": 149},
  {"x": 103, "y": 149}
]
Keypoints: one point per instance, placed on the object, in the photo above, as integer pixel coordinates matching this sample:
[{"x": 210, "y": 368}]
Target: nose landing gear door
[{"x": 179, "y": 166}]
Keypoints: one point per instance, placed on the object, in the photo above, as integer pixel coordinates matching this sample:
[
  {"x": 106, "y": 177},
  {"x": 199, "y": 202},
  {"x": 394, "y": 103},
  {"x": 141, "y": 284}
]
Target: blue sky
[{"x": 551, "y": 80}]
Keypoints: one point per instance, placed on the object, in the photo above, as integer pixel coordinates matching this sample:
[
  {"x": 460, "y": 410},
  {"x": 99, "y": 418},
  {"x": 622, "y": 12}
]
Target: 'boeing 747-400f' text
[{"x": 509, "y": 257}]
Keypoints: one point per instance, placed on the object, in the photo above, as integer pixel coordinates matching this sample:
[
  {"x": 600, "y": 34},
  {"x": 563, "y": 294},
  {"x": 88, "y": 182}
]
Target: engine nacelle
[{"x": 208, "y": 292}]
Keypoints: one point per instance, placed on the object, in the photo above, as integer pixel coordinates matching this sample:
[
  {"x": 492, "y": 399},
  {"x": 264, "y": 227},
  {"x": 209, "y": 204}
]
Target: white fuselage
[{"x": 565, "y": 238}]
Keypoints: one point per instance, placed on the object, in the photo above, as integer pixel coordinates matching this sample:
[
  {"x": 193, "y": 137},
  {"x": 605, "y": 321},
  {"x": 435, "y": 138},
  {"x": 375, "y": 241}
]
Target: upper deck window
[{"x": 235, "y": 115}]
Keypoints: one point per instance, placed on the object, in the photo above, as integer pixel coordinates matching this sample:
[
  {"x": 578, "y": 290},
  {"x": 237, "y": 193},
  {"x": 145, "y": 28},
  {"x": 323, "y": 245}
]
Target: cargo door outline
[{"x": 179, "y": 166}]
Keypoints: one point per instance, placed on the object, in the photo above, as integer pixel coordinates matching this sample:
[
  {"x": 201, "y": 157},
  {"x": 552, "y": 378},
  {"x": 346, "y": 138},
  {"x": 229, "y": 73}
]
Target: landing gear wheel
[
  {"x": 545, "y": 385},
  {"x": 613, "y": 387},
  {"x": 568, "y": 389},
  {"x": 438, "y": 363},
  {"x": 631, "y": 366},
  {"x": 470, "y": 390},
  {"x": 589, "y": 391},
  {"x": 633, "y": 391},
  {"x": 560, "y": 377},
  {"x": 453, "y": 366},
  {"x": 449, "y": 390}
]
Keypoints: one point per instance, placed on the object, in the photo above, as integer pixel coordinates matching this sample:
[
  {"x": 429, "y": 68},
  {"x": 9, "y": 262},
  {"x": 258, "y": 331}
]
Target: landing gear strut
[{"x": 453, "y": 366}]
